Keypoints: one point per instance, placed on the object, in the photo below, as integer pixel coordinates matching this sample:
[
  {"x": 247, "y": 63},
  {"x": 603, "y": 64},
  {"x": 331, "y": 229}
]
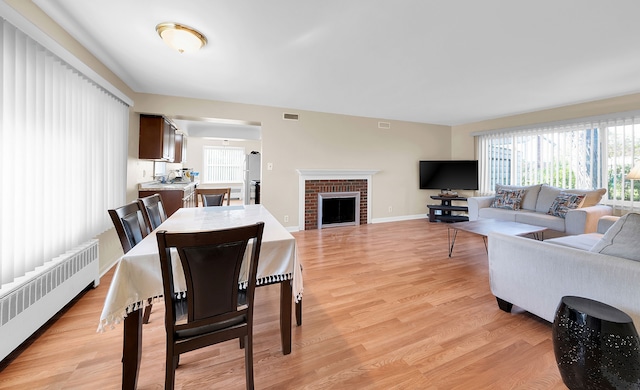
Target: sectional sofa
[
  {"x": 562, "y": 211},
  {"x": 535, "y": 275}
]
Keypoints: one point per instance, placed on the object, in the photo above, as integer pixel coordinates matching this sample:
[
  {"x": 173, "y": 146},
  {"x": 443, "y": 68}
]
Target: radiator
[{"x": 29, "y": 304}]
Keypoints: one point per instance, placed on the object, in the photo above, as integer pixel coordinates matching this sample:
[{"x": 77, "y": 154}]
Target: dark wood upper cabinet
[
  {"x": 181, "y": 145},
  {"x": 157, "y": 138}
]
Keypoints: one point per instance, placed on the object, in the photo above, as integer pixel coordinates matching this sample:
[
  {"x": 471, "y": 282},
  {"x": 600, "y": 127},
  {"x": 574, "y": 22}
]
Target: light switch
[{"x": 269, "y": 166}]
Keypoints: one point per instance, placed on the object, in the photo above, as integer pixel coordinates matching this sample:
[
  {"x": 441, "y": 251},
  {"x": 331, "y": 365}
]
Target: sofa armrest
[
  {"x": 476, "y": 203},
  {"x": 535, "y": 275},
  {"x": 585, "y": 219},
  {"x": 604, "y": 223}
]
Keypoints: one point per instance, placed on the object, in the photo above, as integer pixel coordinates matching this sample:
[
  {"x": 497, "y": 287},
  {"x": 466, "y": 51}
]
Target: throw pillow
[
  {"x": 565, "y": 202},
  {"x": 507, "y": 199},
  {"x": 529, "y": 197},
  {"x": 621, "y": 240},
  {"x": 593, "y": 196}
]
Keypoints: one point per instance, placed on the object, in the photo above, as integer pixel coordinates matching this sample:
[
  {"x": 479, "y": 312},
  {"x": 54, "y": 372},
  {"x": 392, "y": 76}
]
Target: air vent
[
  {"x": 384, "y": 125},
  {"x": 290, "y": 117}
]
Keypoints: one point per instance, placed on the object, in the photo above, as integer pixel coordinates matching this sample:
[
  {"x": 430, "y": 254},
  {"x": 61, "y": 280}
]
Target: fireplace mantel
[
  {"x": 328, "y": 174},
  {"x": 332, "y": 174}
]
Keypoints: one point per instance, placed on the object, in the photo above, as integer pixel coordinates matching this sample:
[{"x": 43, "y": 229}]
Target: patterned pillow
[
  {"x": 565, "y": 202},
  {"x": 508, "y": 199}
]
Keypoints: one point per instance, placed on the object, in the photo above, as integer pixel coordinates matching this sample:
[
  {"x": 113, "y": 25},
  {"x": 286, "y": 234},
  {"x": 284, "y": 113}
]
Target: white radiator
[{"x": 29, "y": 304}]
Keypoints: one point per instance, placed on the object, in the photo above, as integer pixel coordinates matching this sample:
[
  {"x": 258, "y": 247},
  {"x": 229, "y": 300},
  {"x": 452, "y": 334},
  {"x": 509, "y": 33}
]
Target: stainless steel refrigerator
[{"x": 253, "y": 163}]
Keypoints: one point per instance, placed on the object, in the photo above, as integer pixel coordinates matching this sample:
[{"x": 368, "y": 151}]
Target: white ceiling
[{"x": 431, "y": 61}]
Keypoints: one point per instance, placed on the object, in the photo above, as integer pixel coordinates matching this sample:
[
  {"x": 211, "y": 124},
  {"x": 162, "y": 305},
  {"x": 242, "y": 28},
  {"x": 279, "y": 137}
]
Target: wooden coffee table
[{"x": 485, "y": 226}]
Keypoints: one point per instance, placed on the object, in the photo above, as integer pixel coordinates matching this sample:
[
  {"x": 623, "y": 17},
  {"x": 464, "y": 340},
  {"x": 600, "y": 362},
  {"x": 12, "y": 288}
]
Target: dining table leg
[
  {"x": 131, "y": 349},
  {"x": 286, "y": 299}
]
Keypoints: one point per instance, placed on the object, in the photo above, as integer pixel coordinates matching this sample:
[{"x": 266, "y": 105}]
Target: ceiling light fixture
[{"x": 181, "y": 37}]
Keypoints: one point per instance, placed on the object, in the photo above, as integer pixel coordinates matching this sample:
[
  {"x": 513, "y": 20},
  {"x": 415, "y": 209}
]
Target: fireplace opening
[{"x": 338, "y": 209}]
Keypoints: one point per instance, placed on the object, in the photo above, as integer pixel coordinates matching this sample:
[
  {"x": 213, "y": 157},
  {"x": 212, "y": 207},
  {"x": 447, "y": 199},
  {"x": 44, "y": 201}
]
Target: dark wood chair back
[
  {"x": 130, "y": 225},
  {"x": 218, "y": 305},
  {"x": 201, "y": 192},
  {"x": 212, "y": 200},
  {"x": 153, "y": 210}
]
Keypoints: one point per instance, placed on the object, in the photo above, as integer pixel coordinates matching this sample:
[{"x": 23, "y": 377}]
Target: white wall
[
  {"x": 318, "y": 140},
  {"x": 327, "y": 141}
]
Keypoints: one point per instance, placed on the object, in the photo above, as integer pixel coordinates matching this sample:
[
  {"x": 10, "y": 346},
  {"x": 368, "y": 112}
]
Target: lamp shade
[
  {"x": 180, "y": 37},
  {"x": 634, "y": 174}
]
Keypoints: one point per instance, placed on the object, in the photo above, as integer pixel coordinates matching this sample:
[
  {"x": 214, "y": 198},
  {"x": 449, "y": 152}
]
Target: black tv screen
[{"x": 449, "y": 175}]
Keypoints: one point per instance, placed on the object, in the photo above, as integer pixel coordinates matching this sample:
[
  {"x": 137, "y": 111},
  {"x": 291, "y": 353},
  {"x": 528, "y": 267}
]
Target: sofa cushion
[
  {"x": 507, "y": 199},
  {"x": 548, "y": 194},
  {"x": 580, "y": 241},
  {"x": 529, "y": 198},
  {"x": 501, "y": 214},
  {"x": 621, "y": 240},
  {"x": 540, "y": 219},
  {"x": 564, "y": 202}
]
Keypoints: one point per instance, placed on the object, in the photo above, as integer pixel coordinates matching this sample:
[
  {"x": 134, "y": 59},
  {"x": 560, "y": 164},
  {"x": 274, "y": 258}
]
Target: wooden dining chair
[
  {"x": 217, "y": 307},
  {"x": 153, "y": 210},
  {"x": 226, "y": 193},
  {"x": 212, "y": 200},
  {"x": 131, "y": 227}
]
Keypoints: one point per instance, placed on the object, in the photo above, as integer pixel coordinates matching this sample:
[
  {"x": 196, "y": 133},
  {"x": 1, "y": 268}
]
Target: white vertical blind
[
  {"x": 585, "y": 153},
  {"x": 63, "y": 154}
]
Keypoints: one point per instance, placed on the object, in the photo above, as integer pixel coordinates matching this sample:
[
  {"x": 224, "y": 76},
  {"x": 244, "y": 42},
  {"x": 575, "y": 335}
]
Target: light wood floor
[{"x": 384, "y": 308}]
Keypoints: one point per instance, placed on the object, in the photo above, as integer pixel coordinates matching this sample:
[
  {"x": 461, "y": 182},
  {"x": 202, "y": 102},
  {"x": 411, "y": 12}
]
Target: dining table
[{"x": 137, "y": 280}]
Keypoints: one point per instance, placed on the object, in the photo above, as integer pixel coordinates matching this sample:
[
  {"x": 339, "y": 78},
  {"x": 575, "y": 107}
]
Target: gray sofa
[
  {"x": 532, "y": 205},
  {"x": 535, "y": 275}
]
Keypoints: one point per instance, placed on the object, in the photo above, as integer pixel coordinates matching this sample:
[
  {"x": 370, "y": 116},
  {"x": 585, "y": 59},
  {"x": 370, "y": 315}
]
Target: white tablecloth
[{"x": 138, "y": 277}]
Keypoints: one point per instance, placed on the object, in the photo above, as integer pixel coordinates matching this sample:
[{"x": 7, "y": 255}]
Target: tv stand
[{"x": 445, "y": 209}]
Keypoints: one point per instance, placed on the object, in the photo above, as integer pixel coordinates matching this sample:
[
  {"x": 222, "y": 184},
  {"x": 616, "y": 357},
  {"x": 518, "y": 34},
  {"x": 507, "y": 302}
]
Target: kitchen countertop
[{"x": 157, "y": 186}]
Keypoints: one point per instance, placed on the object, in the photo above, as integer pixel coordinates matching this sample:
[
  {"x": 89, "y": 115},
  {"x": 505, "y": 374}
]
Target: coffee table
[{"x": 485, "y": 226}]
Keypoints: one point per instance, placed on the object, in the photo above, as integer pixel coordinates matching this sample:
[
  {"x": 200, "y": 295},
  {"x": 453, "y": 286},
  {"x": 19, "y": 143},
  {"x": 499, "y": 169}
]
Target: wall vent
[
  {"x": 290, "y": 117},
  {"x": 384, "y": 125}
]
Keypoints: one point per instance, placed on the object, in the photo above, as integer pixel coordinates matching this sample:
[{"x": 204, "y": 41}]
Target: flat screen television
[{"x": 449, "y": 175}]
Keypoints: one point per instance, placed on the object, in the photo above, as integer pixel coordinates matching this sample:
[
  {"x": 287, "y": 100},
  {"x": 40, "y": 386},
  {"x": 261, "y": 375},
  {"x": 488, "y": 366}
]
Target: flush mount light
[{"x": 180, "y": 37}]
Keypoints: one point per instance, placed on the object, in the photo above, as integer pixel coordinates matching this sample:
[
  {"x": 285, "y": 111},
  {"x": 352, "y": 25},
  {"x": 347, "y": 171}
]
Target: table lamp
[{"x": 634, "y": 174}]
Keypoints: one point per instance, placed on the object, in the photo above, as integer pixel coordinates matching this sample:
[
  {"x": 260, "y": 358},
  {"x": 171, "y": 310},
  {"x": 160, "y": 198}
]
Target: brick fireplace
[{"x": 314, "y": 181}]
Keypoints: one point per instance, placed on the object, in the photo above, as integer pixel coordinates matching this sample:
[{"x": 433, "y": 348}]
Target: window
[
  {"x": 578, "y": 154},
  {"x": 223, "y": 164},
  {"x": 67, "y": 137}
]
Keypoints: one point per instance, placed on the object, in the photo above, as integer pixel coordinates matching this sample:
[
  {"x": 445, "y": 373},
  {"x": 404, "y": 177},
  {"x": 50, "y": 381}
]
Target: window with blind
[
  {"x": 582, "y": 154},
  {"x": 63, "y": 153},
  {"x": 223, "y": 164}
]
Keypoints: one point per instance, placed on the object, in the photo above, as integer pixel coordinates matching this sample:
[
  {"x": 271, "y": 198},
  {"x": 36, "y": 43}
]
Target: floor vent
[
  {"x": 384, "y": 125},
  {"x": 290, "y": 117}
]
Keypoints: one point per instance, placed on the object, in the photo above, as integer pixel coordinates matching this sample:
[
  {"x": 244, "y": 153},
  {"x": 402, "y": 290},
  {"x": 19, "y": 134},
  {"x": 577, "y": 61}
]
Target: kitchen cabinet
[
  {"x": 174, "y": 196},
  {"x": 180, "y": 155},
  {"x": 157, "y": 138}
]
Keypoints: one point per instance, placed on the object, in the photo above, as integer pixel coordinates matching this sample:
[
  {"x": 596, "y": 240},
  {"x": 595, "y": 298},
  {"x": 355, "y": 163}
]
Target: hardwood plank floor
[{"x": 384, "y": 308}]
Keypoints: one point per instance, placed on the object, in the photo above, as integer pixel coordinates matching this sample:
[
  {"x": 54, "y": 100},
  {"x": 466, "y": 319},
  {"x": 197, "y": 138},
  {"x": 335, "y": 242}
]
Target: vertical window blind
[
  {"x": 593, "y": 153},
  {"x": 63, "y": 152}
]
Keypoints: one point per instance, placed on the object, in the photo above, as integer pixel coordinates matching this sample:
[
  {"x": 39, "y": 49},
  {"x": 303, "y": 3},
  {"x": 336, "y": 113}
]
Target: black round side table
[{"x": 596, "y": 345}]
